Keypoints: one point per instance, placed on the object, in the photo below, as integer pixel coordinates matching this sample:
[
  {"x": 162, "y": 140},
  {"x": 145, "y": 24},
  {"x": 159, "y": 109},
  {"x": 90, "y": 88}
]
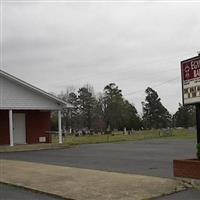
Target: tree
[
  {"x": 70, "y": 117},
  {"x": 155, "y": 115},
  {"x": 109, "y": 109},
  {"x": 73, "y": 113},
  {"x": 185, "y": 116},
  {"x": 130, "y": 117},
  {"x": 98, "y": 116},
  {"x": 113, "y": 103},
  {"x": 86, "y": 104},
  {"x": 118, "y": 112}
]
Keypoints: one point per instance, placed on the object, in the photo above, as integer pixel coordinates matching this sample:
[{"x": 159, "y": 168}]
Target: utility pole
[
  {"x": 198, "y": 122},
  {"x": 70, "y": 121},
  {"x": 198, "y": 117}
]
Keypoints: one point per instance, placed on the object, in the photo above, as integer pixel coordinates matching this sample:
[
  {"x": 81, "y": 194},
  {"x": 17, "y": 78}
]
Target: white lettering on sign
[
  {"x": 196, "y": 73},
  {"x": 195, "y": 64},
  {"x": 191, "y": 80}
]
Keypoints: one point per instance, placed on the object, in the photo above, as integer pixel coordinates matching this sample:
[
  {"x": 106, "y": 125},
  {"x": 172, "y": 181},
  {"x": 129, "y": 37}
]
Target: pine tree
[
  {"x": 185, "y": 116},
  {"x": 86, "y": 102},
  {"x": 113, "y": 103},
  {"x": 155, "y": 115}
]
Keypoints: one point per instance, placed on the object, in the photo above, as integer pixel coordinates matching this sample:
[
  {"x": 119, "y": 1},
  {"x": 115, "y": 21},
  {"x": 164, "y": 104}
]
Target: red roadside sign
[{"x": 190, "y": 73}]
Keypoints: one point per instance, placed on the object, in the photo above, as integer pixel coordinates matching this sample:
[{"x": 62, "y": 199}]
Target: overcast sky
[{"x": 54, "y": 45}]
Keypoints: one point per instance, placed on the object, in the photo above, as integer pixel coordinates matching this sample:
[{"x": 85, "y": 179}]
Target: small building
[{"x": 25, "y": 112}]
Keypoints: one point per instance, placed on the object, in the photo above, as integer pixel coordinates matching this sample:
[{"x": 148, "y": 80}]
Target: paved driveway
[
  {"x": 8, "y": 192},
  {"x": 185, "y": 195},
  {"x": 85, "y": 184},
  {"x": 150, "y": 157}
]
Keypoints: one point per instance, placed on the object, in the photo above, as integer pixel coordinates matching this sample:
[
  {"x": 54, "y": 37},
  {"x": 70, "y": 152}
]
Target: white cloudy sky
[{"x": 56, "y": 44}]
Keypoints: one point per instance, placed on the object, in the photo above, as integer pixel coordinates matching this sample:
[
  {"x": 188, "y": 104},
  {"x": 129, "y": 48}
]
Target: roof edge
[{"x": 36, "y": 89}]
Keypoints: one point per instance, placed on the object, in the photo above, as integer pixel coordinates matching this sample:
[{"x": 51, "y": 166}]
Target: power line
[
  {"x": 157, "y": 85},
  {"x": 162, "y": 60},
  {"x": 170, "y": 70}
]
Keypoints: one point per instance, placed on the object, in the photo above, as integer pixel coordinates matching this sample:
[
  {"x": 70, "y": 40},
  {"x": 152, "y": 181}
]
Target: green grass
[
  {"x": 32, "y": 147},
  {"x": 119, "y": 137},
  {"x": 93, "y": 139}
]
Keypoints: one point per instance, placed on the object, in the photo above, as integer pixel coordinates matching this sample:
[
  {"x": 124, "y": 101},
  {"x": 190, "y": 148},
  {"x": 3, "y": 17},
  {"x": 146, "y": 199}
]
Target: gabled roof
[{"x": 33, "y": 88}]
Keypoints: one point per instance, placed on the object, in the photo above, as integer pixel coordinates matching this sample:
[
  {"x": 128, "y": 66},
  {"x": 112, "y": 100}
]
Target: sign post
[
  {"x": 198, "y": 122},
  {"x": 190, "y": 73}
]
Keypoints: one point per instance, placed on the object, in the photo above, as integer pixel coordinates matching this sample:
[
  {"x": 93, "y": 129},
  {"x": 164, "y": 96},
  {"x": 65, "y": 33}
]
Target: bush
[{"x": 198, "y": 151}]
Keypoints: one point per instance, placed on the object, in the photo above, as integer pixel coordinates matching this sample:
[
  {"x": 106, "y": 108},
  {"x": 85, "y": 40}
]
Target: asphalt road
[
  {"x": 185, "y": 195},
  {"x": 149, "y": 157},
  {"x": 8, "y": 192}
]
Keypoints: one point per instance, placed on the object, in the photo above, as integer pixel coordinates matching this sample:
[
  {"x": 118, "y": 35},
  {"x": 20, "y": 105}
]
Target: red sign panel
[{"x": 190, "y": 71}]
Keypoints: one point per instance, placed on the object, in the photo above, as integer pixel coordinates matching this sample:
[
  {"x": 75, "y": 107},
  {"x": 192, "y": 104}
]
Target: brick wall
[
  {"x": 37, "y": 123},
  {"x": 4, "y": 127},
  {"x": 187, "y": 168}
]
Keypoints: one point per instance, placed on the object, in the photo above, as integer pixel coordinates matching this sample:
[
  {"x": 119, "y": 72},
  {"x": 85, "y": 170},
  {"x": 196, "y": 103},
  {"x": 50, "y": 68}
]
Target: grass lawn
[
  {"x": 31, "y": 147},
  {"x": 119, "y": 137},
  {"x": 93, "y": 139}
]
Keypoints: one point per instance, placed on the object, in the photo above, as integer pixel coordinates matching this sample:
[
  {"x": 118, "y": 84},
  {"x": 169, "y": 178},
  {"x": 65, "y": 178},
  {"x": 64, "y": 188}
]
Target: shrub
[{"x": 198, "y": 151}]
